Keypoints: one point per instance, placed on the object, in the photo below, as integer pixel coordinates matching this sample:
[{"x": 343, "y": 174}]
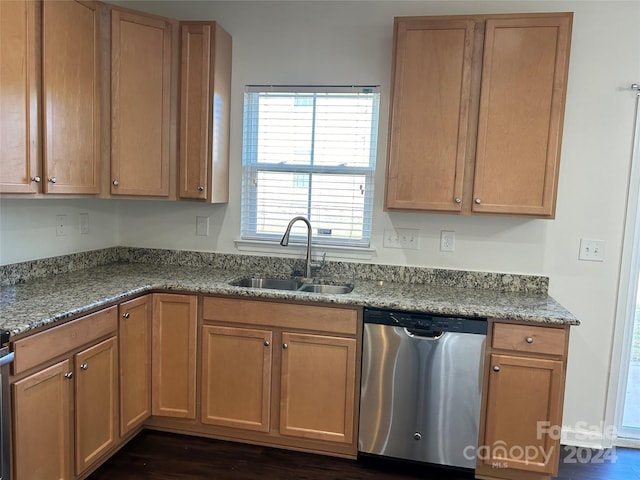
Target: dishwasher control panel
[{"x": 425, "y": 321}]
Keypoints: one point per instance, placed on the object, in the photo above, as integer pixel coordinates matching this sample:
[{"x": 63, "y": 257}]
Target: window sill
[{"x": 294, "y": 249}]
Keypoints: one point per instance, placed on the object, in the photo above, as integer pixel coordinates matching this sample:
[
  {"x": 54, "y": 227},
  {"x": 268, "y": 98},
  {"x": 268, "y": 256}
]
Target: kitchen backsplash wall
[{"x": 273, "y": 266}]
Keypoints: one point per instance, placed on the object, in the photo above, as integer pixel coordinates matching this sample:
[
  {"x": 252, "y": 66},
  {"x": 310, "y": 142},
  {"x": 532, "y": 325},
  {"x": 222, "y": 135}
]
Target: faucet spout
[{"x": 285, "y": 240}]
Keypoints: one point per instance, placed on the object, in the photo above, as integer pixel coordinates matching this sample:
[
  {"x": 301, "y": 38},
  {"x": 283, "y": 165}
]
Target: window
[{"x": 309, "y": 151}]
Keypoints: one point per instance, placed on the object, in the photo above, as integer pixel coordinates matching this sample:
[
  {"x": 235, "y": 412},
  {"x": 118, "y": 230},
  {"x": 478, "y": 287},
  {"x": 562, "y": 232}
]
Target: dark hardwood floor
[{"x": 164, "y": 456}]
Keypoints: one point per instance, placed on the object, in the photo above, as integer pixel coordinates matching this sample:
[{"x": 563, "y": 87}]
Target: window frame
[{"x": 251, "y": 166}]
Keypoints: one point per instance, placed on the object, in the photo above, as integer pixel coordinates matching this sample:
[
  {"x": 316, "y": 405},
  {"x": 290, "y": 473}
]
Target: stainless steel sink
[
  {"x": 330, "y": 289},
  {"x": 290, "y": 284},
  {"x": 273, "y": 283}
]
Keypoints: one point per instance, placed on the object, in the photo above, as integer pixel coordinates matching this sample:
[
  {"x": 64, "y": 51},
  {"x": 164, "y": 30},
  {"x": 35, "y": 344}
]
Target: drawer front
[
  {"x": 44, "y": 346},
  {"x": 529, "y": 338},
  {"x": 272, "y": 314}
]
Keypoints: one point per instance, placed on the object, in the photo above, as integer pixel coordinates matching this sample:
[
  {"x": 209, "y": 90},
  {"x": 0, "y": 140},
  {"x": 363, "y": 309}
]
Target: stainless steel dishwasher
[{"x": 421, "y": 387}]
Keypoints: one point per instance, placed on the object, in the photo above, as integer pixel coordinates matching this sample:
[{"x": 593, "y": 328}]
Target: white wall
[
  {"x": 350, "y": 43},
  {"x": 28, "y": 227}
]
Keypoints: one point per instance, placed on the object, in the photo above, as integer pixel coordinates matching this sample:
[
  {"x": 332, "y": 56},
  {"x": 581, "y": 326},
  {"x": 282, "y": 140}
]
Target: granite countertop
[{"x": 30, "y": 305}]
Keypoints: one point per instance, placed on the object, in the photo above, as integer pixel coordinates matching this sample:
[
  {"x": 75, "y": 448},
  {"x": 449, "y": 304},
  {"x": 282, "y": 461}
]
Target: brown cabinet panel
[
  {"x": 205, "y": 91},
  {"x": 524, "y": 402},
  {"x": 96, "y": 402},
  {"x": 429, "y": 117},
  {"x": 530, "y": 338},
  {"x": 140, "y": 104},
  {"x": 174, "y": 355},
  {"x": 71, "y": 97},
  {"x": 521, "y": 111},
  {"x": 42, "y": 440},
  {"x": 236, "y": 377},
  {"x": 134, "y": 339},
  {"x": 318, "y": 387},
  {"x": 19, "y": 77}
]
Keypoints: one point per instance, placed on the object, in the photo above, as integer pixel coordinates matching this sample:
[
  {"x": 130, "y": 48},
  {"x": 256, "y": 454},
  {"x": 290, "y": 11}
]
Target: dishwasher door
[{"x": 420, "y": 395}]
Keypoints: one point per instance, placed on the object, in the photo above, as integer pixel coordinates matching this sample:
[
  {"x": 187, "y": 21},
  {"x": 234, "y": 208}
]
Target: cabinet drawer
[
  {"x": 272, "y": 314},
  {"x": 44, "y": 346},
  {"x": 529, "y": 338}
]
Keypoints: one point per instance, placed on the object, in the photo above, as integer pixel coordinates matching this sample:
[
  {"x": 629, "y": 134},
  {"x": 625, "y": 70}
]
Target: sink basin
[
  {"x": 330, "y": 289},
  {"x": 273, "y": 283},
  {"x": 290, "y": 284}
]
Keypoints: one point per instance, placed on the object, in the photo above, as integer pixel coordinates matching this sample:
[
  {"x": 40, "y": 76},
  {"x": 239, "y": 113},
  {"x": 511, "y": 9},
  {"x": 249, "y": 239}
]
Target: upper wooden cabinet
[
  {"x": 205, "y": 91},
  {"x": 71, "y": 97},
  {"x": 140, "y": 104},
  {"x": 477, "y": 112},
  {"x": 19, "y": 79}
]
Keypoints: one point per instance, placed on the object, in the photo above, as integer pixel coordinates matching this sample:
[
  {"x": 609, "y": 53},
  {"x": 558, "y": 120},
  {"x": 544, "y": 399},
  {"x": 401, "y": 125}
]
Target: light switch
[{"x": 591, "y": 250}]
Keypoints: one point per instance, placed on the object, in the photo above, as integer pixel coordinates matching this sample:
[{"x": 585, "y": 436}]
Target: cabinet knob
[
  {"x": 116, "y": 183},
  {"x": 201, "y": 189},
  {"x": 53, "y": 180},
  {"x": 266, "y": 343},
  {"x": 417, "y": 436},
  {"x": 36, "y": 179},
  {"x": 68, "y": 375},
  {"x": 125, "y": 315},
  {"x": 478, "y": 201},
  {"x": 496, "y": 368},
  {"x": 458, "y": 200},
  {"x": 285, "y": 346},
  {"x": 529, "y": 340},
  {"x": 84, "y": 366}
]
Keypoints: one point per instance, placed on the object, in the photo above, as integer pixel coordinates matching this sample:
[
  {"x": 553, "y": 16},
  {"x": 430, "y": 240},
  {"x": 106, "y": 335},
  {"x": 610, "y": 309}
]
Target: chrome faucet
[{"x": 285, "y": 240}]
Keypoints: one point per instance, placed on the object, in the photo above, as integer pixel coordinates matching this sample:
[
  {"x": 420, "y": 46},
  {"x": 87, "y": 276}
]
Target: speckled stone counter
[{"x": 43, "y": 301}]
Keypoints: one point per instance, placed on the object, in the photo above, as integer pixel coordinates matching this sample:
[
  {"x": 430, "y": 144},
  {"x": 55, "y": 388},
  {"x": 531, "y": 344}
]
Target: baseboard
[{"x": 586, "y": 438}]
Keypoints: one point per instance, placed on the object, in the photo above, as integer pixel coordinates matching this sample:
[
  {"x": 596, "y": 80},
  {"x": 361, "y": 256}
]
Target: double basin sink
[{"x": 292, "y": 285}]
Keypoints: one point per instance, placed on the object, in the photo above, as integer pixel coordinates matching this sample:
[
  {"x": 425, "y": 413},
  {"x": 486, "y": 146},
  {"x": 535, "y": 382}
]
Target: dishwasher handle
[{"x": 426, "y": 334}]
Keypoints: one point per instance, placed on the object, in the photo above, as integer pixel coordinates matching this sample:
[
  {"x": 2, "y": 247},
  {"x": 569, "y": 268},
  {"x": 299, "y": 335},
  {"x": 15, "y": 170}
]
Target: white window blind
[{"x": 309, "y": 151}]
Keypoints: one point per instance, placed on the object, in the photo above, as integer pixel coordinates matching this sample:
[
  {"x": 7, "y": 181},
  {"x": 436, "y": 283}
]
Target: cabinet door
[
  {"x": 174, "y": 355},
  {"x": 71, "y": 97},
  {"x": 140, "y": 96},
  {"x": 134, "y": 348},
  {"x": 96, "y": 402},
  {"x": 524, "y": 401},
  {"x": 42, "y": 405},
  {"x": 429, "y": 114},
  {"x": 19, "y": 43},
  {"x": 236, "y": 377},
  {"x": 524, "y": 77},
  {"x": 205, "y": 91},
  {"x": 318, "y": 387}
]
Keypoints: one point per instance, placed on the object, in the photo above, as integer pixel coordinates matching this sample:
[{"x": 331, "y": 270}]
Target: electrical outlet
[
  {"x": 447, "y": 241},
  {"x": 591, "y": 250},
  {"x": 61, "y": 225},
  {"x": 202, "y": 226},
  {"x": 83, "y": 222},
  {"x": 405, "y": 238}
]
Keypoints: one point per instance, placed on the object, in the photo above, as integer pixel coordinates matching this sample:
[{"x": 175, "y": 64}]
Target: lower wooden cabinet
[
  {"x": 236, "y": 377},
  {"x": 281, "y": 374},
  {"x": 67, "y": 407},
  {"x": 134, "y": 341},
  {"x": 174, "y": 355},
  {"x": 522, "y": 402},
  {"x": 317, "y": 389},
  {"x": 42, "y": 424}
]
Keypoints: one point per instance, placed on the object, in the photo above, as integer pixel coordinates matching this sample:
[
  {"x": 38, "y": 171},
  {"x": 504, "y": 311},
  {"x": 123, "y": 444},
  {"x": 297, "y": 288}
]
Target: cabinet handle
[
  {"x": 84, "y": 366},
  {"x": 53, "y": 180},
  {"x": 201, "y": 189},
  {"x": 529, "y": 339},
  {"x": 125, "y": 315},
  {"x": 285, "y": 346},
  {"x": 458, "y": 200},
  {"x": 266, "y": 343},
  {"x": 116, "y": 183},
  {"x": 68, "y": 375},
  {"x": 36, "y": 179},
  {"x": 478, "y": 201},
  {"x": 496, "y": 368}
]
